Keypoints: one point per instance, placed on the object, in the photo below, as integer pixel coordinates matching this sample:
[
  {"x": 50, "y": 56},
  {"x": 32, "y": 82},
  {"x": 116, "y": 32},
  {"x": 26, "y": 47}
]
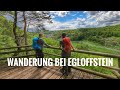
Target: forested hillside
[
  {"x": 107, "y": 36},
  {"x": 6, "y": 33}
]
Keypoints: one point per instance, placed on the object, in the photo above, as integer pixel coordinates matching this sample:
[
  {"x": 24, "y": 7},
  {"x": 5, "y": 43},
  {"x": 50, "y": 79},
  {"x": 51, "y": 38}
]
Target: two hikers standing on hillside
[{"x": 65, "y": 45}]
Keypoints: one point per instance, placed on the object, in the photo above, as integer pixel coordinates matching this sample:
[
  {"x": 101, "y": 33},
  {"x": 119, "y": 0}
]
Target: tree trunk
[
  {"x": 25, "y": 32},
  {"x": 14, "y": 32}
]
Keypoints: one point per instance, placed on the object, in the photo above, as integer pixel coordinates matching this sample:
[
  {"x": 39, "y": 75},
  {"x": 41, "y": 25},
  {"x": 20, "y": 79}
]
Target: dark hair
[{"x": 63, "y": 34}]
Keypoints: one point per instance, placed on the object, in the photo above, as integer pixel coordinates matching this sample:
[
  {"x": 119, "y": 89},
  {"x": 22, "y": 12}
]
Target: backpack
[
  {"x": 67, "y": 44},
  {"x": 35, "y": 44}
]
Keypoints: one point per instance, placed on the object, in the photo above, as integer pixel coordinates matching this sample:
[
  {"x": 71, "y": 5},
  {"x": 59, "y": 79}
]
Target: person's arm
[
  {"x": 46, "y": 44},
  {"x": 72, "y": 46},
  {"x": 60, "y": 45}
]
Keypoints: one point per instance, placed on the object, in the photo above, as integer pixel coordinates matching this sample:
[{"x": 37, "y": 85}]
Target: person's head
[
  {"x": 63, "y": 35},
  {"x": 40, "y": 35}
]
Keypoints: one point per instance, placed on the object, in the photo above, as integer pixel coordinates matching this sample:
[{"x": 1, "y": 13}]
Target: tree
[
  {"x": 14, "y": 15},
  {"x": 14, "y": 31},
  {"x": 25, "y": 32},
  {"x": 35, "y": 18},
  {"x": 38, "y": 17}
]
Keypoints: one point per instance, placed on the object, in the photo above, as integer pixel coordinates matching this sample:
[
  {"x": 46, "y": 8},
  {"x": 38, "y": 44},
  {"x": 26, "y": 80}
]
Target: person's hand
[
  {"x": 73, "y": 49},
  {"x": 61, "y": 48},
  {"x": 48, "y": 46}
]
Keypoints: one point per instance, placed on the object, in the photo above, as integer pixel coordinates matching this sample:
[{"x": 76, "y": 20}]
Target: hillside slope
[{"x": 107, "y": 36}]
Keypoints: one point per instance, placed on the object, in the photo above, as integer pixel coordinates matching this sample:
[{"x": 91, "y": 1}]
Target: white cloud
[
  {"x": 52, "y": 16},
  {"x": 104, "y": 18},
  {"x": 93, "y": 19},
  {"x": 59, "y": 13},
  {"x": 73, "y": 24},
  {"x": 80, "y": 19}
]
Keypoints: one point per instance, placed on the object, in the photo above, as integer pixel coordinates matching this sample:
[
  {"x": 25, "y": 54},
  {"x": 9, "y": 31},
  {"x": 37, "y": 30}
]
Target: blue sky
[
  {"x": 70, "y": 16},
  {"x": 82, "y": 19}
]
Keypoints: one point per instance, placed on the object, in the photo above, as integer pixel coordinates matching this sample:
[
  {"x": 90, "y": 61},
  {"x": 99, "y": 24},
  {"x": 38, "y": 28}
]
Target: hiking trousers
[
  {"x": 39, "y": 54},
  {"x": 66, "y": 55}
]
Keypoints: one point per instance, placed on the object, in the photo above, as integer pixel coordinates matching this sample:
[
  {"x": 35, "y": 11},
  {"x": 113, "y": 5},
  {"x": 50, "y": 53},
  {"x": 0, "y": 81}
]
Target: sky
[
  {"x": 79, "y": 19},
  {"x": 82, "y": 19}
]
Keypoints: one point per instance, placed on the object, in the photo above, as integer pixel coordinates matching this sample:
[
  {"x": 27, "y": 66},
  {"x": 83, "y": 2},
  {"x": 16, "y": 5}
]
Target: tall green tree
[{"x": 27, "y": 18}]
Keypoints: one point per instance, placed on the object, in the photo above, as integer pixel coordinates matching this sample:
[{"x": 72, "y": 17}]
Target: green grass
[{"x": 91, "y": 46}]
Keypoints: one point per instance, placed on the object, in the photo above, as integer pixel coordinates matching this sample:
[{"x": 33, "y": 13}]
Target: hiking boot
[
  {"x": 69, "y": 71},
  {"x": 62, "y": 71}
]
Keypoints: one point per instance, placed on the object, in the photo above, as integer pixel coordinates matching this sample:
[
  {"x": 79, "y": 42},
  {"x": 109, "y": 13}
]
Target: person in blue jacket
[{"x": 38, "y": 44}]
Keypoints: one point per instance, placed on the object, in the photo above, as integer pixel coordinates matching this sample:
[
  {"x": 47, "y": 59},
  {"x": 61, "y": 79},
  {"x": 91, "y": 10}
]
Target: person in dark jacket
[{"x": 39, "y": 52}]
